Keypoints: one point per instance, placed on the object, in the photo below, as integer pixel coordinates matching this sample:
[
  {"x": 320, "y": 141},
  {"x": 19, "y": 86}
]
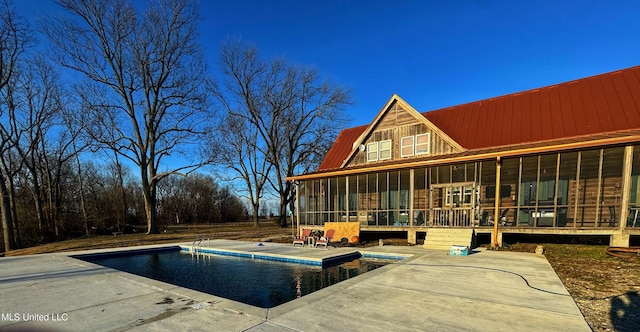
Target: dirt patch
[{"x": 604, "y": 287}]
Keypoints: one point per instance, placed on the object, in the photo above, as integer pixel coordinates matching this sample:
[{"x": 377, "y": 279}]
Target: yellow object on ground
[{"x": 348, "y": 230}]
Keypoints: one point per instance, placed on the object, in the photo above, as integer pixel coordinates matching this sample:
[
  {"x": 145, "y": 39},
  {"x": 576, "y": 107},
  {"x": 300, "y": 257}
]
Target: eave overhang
[{"x": 577, "y": 143}]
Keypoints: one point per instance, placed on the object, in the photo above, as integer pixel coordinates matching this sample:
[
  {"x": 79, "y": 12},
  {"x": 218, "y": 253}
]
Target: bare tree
[
  {"x": 240, "y": 144},
  {"x": 145, "y": 80},
  {"x": 237, "y": 147},
  {"x": 34, "y": 104},
  {"x": 309, "y": 116},
  {"x": 294, "y": 113},
  {"x": 13, "y": 41}
]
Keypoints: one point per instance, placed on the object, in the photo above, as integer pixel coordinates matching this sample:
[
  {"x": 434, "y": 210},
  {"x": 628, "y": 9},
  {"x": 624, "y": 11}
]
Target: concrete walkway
[{"x": 430, "y": 291}]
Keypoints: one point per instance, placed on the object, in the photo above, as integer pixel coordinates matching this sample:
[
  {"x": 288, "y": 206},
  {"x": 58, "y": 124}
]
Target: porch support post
[
  {"x": 411, "y": 194},
  {"x": 626, "y": 185},
  {"x": 496, "y": 211},
  {"x": 297, "y": 184},
  {"x": 411, "y": 232},
  {"x": 346, "y": 199}
]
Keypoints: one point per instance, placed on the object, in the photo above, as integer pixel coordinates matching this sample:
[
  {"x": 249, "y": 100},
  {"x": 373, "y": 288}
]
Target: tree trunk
[
  {"x": 282, "y": 221},
  {"x": 256, "y": 214},
  {"x": 83, "y": 206},
  {"x": 14, "y": 212},
  {"x": 149, "y": 193},
  {"x": 286, "y": 197},
  {"x": 38, "y": 205},
  {"x": 123, "y": 193},
  {"x": 7, "y": 222},
  {"x": 85, "y": 216}
]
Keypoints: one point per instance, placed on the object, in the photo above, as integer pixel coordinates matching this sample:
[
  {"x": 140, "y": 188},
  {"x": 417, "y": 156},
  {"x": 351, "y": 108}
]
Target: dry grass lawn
[{"x": 267, "y": 231}]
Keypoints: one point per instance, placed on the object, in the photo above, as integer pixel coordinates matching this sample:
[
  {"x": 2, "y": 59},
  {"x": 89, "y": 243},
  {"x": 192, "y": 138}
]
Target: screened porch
[{"x": 572, "y": 189}]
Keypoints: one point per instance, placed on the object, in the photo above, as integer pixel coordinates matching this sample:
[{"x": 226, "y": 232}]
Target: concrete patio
[{"x": 429, "y": 291}]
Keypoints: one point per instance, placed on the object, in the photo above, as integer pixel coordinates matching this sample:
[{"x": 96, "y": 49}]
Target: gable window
[
  {"x": 379, "y": 150},
  {"x": 423, "y": 145},
  {"x": 372, "y": 151},
  {"x": 385, "y": 150},
  {"x": 406, "y": 148}
]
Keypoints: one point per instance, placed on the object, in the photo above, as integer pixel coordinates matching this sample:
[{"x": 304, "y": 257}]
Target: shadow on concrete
[
  {"x": 55, "y": 275},
  {"x": 625, "y": 311}
]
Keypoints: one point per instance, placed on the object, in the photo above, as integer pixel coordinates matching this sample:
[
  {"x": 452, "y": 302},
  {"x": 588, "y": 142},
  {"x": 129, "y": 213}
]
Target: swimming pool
[{"x": 260, "y": 283}]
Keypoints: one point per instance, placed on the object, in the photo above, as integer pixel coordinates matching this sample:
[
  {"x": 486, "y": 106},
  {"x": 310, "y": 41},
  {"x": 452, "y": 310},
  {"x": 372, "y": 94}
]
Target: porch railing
[{"x": 453, "y": 217}]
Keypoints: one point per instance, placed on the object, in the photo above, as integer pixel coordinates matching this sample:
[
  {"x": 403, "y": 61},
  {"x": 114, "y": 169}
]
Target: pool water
[{"x": 260, "y": 283}]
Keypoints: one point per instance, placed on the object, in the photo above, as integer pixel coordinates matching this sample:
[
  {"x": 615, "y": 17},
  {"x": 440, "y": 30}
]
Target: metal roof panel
[{"x": 594, "y": 105}]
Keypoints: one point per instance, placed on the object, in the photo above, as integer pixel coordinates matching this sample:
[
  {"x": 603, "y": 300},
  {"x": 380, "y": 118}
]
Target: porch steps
[{"x": 444, "y": 238}]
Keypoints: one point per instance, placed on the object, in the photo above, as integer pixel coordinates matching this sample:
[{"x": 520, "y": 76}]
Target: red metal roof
[
  {"x": 599, "y": 104},
  {"x": 341, "y": 148},
  {"x": 594, "y": 105}
]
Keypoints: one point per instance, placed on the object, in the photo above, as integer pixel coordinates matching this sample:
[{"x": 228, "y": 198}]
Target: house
[{"x": 562, "y": 159}]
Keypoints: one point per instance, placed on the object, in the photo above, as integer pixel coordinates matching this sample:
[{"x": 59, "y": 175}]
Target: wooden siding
[{"x": 396, "y": 124}]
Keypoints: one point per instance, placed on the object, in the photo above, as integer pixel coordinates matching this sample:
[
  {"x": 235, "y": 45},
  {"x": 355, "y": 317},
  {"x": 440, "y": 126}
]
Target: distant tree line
[{"x": 128, "y": 140}]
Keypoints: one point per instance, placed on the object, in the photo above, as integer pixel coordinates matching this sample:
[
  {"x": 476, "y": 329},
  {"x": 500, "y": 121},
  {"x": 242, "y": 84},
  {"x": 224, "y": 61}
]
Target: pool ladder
[{"x": 196, "y": 246}]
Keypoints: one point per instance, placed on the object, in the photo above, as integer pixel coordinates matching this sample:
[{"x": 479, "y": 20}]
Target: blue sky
[{"x": 433, "y": 54}]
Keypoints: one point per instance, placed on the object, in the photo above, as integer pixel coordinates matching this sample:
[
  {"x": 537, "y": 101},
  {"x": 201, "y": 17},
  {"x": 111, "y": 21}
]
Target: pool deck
[
  {"x": 427, "y": 291},
  {"x": 257, "y": 250}
]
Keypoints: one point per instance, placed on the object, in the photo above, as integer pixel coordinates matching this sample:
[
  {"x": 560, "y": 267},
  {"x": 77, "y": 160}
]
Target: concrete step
[{"x": 444, "y": 238}]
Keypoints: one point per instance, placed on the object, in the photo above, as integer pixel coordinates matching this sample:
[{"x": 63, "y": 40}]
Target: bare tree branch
[{"x": 143, "y": 69}]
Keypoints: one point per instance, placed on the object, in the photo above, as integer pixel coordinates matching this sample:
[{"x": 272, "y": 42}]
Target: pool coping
[
  {"x": 208, "y": 299},
  {"x": 320, "y": 262}
]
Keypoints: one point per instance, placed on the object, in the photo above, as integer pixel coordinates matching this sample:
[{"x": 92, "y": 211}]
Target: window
[
  {"x": 379, "y": 150},
  {"x": 448, "y": 196},
  {"x": 385, "y": 150},
  {"x": 372, "y": 151},
  {"x": 406, "y": 148},
  {"x": 423, "y": 143}
]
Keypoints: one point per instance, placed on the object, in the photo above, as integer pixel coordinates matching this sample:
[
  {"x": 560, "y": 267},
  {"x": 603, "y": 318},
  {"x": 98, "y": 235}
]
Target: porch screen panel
[
  {"x": 303, "y": 202},
  {"x": 318, "y": 201},
  {"x": 363, "y": 199},
  {"x": 611, "y": 187},
  {"x": 383, "y": 199},
  {"x": 352, "y": 198},
  {"x": 546, "y": 215},
  {"x": 443, "y": 174},
  {"x": 394, "y": 198},
  {"x": 528, "y": 191},
  {"x": 341, "y": 203},
  {"x": 373, "y": 197},
  {"x": 487, "y": 196},
  {"x": 634, "y": 201},
  {"x": 458, "y": 173},
  {"x": 329, "y": 213},
  {"x": 419, "y": 196},
  {"x": 508, "y": 188},
  {"x": 588, "y": 188},
  {"x": 471, "y": 170},
  {"x": 567, "y": 188},
  {"x": 403, "y": 197},
  {"x": 323, "y": 201}
]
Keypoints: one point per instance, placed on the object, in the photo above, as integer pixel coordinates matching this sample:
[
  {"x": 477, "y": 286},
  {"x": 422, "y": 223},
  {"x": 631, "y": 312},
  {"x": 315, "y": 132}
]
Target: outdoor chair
[
  {"x": 303, "y": 238},
  {"x": 324, "y": 241},
  {"x": 503, "y": 217}
]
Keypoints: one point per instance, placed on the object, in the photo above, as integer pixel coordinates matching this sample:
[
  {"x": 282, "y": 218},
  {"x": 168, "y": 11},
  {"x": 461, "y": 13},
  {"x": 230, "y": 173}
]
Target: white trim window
[
  {"x": 385, "y": 150},
  {"x": 379, "y": 150},
  {"x": 372, "y": 151},
  {"x": 407, "y": 146},
  {"x": 423, "y": 144}
]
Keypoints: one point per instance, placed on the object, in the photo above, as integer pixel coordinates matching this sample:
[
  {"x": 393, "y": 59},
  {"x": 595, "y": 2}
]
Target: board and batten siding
[{"x": 396, "y": 124}]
